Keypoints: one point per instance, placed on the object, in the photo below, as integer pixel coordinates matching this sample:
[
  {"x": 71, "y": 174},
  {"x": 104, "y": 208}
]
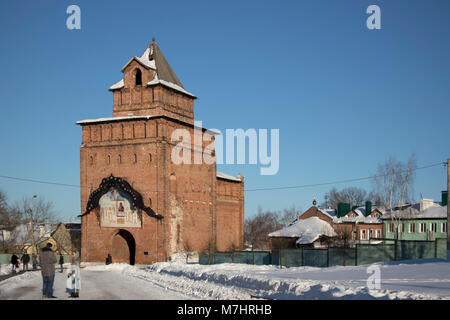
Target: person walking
[
  {"x": 25, "y": 261},
  {"x": 108, "y": 259},
  {"x": 61, "y": 262},
  {"x": 15, "y": 263},
  {"x": 73, "y": 283},
  {"x": 47, "y": 261},
  {"x": 34, "y": 260}
]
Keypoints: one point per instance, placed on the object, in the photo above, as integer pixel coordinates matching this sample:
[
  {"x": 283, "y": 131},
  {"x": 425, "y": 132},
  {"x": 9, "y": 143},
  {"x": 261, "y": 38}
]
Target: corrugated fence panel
[
  {"x": 411, "y": 250},
  {"x": 315, "y": 257},
  {"x": 262, "y": 257},
  {"x": 243, "y": 257},
  {"x": 441, "y": 251},
  {"x": 203, "y": 258},
  {"x": 371, "y": 253},
  {"x": 336, "y": 257},
  {"x": 222, "y": 257},
  {"x": 290, "y": 257}
]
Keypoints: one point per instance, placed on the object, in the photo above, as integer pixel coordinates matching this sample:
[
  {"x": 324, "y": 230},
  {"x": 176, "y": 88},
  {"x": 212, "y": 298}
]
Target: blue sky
[{"x": 344, "y": 97}]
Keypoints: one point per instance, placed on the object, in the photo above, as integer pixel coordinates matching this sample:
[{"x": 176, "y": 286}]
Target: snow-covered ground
[{"x": 418, "y": 279}]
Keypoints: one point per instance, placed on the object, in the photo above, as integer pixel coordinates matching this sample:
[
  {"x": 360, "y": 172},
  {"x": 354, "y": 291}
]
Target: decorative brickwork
[{"x": 185, "y": 207}]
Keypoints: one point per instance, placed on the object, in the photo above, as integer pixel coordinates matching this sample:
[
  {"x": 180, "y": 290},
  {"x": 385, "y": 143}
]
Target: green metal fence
[{"x": 359, "y": 255}]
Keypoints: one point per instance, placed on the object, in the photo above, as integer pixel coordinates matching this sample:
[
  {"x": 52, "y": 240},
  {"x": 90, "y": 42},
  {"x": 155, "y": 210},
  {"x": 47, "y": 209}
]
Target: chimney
[{"x": 425, "y": 204}]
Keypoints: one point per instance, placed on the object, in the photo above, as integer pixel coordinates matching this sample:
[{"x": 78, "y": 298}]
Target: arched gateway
[{"x": 123, "y": 247}]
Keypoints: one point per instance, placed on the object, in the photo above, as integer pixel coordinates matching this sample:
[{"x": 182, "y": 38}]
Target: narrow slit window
[{"x": 138, "y": 77}]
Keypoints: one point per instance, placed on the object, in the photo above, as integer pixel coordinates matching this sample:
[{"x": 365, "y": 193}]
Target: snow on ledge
[
  {"x": 87, "y": 121},
  {"x": 227, "y": 176},
  {"x": 117, "y": 85}
]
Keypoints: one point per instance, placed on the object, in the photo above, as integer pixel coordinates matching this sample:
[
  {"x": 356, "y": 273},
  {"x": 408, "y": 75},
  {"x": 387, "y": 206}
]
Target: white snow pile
[
  {"x": 307, "y": 230},
  {"x": 415, "y": 279}
]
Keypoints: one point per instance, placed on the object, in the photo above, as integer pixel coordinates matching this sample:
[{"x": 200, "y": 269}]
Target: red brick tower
[{"x": 137, "y": 204}]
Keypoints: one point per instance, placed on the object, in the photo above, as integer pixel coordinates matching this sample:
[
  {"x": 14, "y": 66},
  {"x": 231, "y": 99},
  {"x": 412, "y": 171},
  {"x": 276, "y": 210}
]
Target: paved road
[{"x": 95, "y": 285}]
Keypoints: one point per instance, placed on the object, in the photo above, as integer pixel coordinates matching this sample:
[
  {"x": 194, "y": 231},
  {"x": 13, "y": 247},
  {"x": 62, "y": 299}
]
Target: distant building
[
  {"x": 354, "y": 227},
  {"x": 426, "y": 220},
  {"x": 20, "y": 238},
  {"x": 312, "y": 232}
]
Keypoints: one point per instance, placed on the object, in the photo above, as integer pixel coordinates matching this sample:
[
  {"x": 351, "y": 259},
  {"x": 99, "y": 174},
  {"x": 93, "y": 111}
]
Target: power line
[
  {"x": 340, "y": 181},
  {"x": 248, "y": 190}
]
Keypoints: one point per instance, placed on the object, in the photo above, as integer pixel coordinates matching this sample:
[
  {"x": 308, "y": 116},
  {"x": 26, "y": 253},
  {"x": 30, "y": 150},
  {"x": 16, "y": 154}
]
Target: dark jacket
[
  {"x": 25, "y": 258},
  {"x": 61, "y": 260},
  {"x": 48, "y": 260},
  {"x": 14, "y": 259}
]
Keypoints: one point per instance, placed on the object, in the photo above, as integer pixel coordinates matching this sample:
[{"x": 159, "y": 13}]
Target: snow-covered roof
[
  {"x": 87, "y": 121},
  {"x": 112, "y": 119},
  {"x": 42, "y": 231},
  {"x": 153, "y": 58},
  {"x": 331, "y": 213},
  {"x": 357, "y": 219},
  {"x": 117, "y": 85},
  {"x": 171, "y": 85},
  {"x": 227, "y": 176},
  {"x": 307, "y": 230},
  {"x": 413, "y": 212}
]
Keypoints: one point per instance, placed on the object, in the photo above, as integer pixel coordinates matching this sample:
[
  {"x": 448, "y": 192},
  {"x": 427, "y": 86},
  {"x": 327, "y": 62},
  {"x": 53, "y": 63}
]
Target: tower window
[{"x": 138, "y": 77}]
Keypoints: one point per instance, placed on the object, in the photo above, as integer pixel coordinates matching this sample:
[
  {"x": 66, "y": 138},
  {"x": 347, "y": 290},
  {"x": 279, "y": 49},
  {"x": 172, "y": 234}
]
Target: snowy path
[
  {"x": 418, "y": 279},
  {"x": 104, "y": 285}
]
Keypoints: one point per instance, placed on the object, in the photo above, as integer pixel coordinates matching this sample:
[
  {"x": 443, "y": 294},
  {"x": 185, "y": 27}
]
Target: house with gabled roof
[
  {"x": 353, "y": 226},
  {"x": 425, "y": 220}
]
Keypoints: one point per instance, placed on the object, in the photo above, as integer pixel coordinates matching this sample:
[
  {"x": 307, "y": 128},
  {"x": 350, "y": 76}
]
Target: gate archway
[{"x": 123, "y": 247}]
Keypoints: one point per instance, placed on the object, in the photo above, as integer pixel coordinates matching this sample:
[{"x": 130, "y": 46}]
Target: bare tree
[
  {"x": 352, "y": 195},
  {"x": 394, "y": 185},
  {"x": 394, "y": 181},
  {"x": 257, "y": 229},
  {"x": 9, "y": 220},
  {"x": 32, "y": 215},
  {"x": 288, "y": 216}
]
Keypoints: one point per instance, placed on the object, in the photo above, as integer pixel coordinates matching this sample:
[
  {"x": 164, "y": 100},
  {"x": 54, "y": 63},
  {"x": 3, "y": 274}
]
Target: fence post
[
  {"x": 303, "y": 258},
  {"x": 253, "y": 253},
  {"x": 279, "y": 259},
  {"x": 344, "y": 255},
  {"x": 395, "y": 249},
  {"x": 435, "y": 248},
  {"x": 328, "y": 257},
  {"x": 356, "y": 254}
]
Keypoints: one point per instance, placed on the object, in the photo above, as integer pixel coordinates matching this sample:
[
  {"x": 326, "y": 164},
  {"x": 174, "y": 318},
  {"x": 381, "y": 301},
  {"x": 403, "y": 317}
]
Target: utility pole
[
  {"x": 448, "y": 206},
  {"x": 33, "y": 244}
]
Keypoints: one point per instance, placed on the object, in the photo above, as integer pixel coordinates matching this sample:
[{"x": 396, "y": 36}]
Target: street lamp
[{"x": 33, "y": 244}]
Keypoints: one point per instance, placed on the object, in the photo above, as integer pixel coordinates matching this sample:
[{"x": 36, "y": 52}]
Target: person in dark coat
[
  {"x": 14, "y": 262},
  {"x": 61, "y": 262},
  {"x": 34, "y": 260},
  {"x": 48, "y": 261},
  {"x": 108, "y": 259},
  {"x": 25, "y": 261}
]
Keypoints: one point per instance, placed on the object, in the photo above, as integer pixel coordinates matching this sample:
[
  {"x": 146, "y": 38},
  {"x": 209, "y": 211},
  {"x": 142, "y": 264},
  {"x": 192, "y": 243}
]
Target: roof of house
[
  {"x": 153, "y": 58},
  {"x": 331, "y": 213},
  {"x": 306, "y": 230},
  {"x": 413, "y": 212}
]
